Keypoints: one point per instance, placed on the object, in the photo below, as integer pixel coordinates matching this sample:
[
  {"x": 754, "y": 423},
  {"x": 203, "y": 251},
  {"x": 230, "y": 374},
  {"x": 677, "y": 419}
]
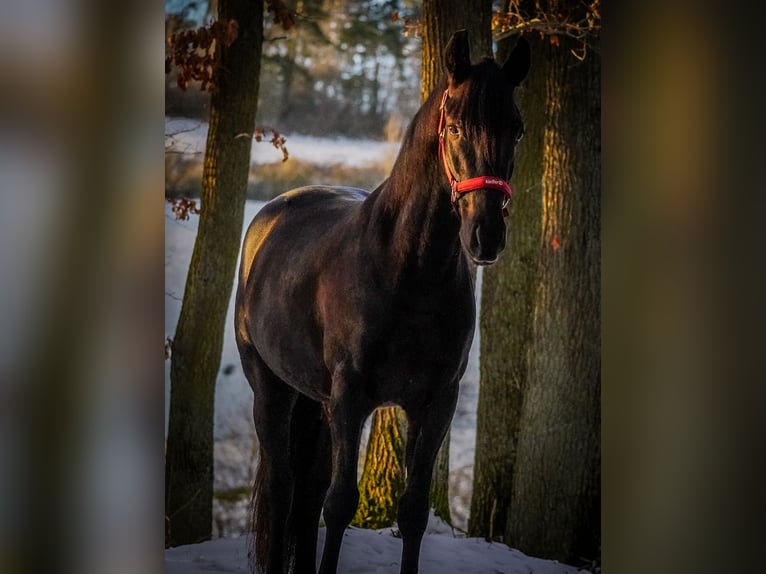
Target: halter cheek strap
[{"x": 474, "y": 183}]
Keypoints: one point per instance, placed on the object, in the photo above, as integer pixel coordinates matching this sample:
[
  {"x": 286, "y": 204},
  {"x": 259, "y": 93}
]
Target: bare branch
[
  {"x": 183, "y": 206},
  {"x": 581, "y": 27},
  {"x": 193, "y": 52},
  {"x": 172, "y": 145},
  {"x": 412, "y": 26},
  {"x": 277, "y": 139}
]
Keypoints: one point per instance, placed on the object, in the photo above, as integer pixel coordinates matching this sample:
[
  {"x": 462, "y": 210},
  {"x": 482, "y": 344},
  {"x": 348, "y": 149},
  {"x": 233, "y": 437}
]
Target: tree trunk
[
  {"x": 556, "y": 484},
  {"x": 440, "y": 20},
  {"x": 196, "y": 349},
  {"x": 507, "y": 298},
  {"x": 383, "y": 476}
]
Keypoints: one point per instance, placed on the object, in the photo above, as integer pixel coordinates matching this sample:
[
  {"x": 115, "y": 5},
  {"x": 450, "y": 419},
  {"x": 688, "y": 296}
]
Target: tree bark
[
  {"x": 196, "y": 348},
  {"x": 556, "y": 484},
  {"x": 508, "y": 289},
  {"x": 441, "y": 19},
  {"x": 383, "y": 476}
]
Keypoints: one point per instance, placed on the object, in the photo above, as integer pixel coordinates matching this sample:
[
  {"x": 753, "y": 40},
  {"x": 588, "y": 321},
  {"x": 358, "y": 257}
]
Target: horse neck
[{"x": 411, "y": 217}]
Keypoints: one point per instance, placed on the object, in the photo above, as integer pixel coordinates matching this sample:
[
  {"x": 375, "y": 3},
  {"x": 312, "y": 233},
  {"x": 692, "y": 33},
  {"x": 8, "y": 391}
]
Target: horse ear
[
  {"x": 457, "y": 57},
  {"x": 517, "y": 64}
]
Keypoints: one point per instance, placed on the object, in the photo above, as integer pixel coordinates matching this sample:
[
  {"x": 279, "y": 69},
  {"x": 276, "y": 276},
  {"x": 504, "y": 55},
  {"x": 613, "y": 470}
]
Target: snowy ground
[
  {"x": 188, "y": 136},
  {"x": 375, "y": 552}
]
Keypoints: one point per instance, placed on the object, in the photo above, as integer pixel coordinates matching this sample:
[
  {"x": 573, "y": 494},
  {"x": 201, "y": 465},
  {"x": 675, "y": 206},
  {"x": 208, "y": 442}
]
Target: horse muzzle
[
  {"x": 482, "y": 225},
  {"x": 483, "y": 241}
]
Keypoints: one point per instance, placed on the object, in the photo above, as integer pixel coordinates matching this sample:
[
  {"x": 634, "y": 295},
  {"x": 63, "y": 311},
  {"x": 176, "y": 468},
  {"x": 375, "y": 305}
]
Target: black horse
[{"x": 349, "y": 300}]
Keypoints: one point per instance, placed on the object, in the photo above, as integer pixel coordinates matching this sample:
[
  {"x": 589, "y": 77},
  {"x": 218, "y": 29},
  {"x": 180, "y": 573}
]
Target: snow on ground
[
  {"x": 188, "y": 136},
  {"x": 376, "y": 552}
]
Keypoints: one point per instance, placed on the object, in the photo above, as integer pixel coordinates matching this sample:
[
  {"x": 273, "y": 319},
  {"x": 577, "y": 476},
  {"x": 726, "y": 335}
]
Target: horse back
[
  {"x": 292, "y": 241},
  {"x": 307, "y": 207}
]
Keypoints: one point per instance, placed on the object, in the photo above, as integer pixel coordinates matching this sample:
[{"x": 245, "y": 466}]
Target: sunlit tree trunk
[
  {"x": 555, "y": 507},
  {"x": 440, "y": 19},
  {"x": 382, "y": 480},
  {"x": 196, "y": 348}
]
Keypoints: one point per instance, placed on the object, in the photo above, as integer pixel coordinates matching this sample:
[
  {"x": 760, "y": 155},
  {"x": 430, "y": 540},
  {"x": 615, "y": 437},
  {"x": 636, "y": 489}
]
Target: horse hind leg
[
  {"x": 346, "y": 413},
  {"x": 311, "y": 457},
  {"x": 273, "y": 403}
]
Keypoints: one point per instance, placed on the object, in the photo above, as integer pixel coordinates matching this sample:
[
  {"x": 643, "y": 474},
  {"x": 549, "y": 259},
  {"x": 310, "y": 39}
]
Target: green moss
[{"x": 382, "y": 482}]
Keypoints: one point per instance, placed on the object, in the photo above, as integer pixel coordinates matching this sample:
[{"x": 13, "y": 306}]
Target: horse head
[{"x": 479, "y": 128}]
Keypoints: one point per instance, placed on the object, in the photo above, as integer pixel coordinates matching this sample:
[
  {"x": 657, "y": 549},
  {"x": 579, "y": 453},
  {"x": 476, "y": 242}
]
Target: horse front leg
[
  {"x": 346, "y": 412},
  {"x": 427, "y": 429}
]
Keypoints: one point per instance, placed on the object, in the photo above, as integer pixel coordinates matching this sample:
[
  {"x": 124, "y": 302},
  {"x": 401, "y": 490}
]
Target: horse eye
[{"x": 453, "y": 130}]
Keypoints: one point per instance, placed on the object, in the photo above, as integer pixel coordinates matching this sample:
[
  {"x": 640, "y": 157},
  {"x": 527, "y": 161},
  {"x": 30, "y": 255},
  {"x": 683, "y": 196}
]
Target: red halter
[{"x": 474, "y": 183}]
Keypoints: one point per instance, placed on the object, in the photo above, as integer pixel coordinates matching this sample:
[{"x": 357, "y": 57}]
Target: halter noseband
[{"x": 474, "y": 183}]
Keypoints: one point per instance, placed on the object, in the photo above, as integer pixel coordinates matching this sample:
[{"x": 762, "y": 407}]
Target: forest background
[{"x": 347, "y": 69}]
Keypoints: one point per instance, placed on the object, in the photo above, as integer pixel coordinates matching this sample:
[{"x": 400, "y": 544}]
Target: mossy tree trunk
[
  {"x": 556, "y": 485},
  {"x": 377, "y": 487},
  {"x": 382, "y": 480},
  {"x": 196, "y": 348},
  {"x": 508, "y": 290}
]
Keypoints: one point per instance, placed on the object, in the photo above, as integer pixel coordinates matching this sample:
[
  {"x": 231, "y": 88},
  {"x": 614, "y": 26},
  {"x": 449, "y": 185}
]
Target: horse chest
[
  {"x": 419, "y": 352},
  {"x": 428, "y": 337}
]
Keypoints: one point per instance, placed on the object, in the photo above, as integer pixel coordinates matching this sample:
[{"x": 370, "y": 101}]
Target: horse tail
[
  {"x": 260, "y": 512},
  {"x": 310, "y": 462}
]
